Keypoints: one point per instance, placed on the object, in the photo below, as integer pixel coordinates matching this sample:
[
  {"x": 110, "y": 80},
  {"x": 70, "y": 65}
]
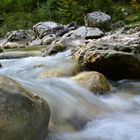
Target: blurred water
[{"x": 76, "y": 113}]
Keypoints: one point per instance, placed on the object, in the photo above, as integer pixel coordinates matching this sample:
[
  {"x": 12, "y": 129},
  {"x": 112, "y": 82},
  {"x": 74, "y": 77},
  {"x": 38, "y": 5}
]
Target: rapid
[{"x": 76, "y": 113}]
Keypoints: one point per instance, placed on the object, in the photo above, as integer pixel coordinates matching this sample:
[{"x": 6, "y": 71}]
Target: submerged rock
[
  {"x": 98, "y": 19},
  {"x": 93, "y": 81},
  {"x": 71, "y": 70},
  {"x": 23, "y": 115}
]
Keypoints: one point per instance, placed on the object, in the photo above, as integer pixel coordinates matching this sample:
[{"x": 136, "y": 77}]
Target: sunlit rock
[{"x": 93, "y": 81}]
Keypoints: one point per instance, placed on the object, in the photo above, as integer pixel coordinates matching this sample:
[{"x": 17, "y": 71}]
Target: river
[{"x": 76, "y": 113}]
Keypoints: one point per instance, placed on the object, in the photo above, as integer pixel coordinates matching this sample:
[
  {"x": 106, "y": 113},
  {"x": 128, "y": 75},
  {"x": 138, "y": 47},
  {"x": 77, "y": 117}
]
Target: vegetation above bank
[{"x": 23, "y": 14}]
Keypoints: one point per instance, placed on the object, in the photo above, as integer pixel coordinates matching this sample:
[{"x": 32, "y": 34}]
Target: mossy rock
[
  {"x": 93, "y": 81},
  {"x": 23, "y": 116}
]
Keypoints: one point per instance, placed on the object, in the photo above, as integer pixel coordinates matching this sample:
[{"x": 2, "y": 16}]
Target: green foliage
[
  {"x": 103, "y": 5},
  {"x": 44, "y": 10},
  {"x": 17, "y": 14},
  {"x": 118, "y": 12},
  {"x": 66, "y": 9}
]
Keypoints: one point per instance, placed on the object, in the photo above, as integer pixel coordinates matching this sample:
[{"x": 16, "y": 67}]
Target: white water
[{"x": 112, "y": 117}]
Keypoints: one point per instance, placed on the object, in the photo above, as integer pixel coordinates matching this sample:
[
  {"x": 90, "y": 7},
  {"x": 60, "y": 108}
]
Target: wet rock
[
  {"x": 116, "y": 55},
  {"x": 93, "y": 81},
  {"x": 71, "y": 70},
  {"x": 98, "y": 19},
  {"x": 23, "y": 115}
]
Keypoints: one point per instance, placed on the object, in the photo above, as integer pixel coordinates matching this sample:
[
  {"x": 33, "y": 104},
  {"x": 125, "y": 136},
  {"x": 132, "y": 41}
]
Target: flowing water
[{"x": 76, "y": 113}]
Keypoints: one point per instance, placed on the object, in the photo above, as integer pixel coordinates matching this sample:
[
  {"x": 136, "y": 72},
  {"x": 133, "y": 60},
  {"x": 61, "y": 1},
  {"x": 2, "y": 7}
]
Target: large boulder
[
  {"x": 116, "y": 55},
  {"x": 23, "y": 115},
  {"x": 98, "y": 19},
  {"x": 93, "y": 81}
]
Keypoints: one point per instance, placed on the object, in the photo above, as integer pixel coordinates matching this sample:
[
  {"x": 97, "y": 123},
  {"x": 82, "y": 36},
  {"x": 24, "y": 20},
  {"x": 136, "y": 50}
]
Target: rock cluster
[{"x": 116, "y": 55}]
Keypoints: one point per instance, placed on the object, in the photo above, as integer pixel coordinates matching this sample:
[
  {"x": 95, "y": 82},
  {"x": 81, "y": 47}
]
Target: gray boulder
[
  {"x": 117, "y": 55},
  {"x": 42, "y": 29},
  {"x": 23, "y": 115},
  {"x": 79, "y": 37},
  {"x": 98, "y": 19},
  {"x": 84, "y": 33}
]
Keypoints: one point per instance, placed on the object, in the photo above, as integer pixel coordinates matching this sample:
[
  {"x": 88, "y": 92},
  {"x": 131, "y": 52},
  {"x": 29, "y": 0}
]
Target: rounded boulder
[{"x": 23, "y": 115}]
